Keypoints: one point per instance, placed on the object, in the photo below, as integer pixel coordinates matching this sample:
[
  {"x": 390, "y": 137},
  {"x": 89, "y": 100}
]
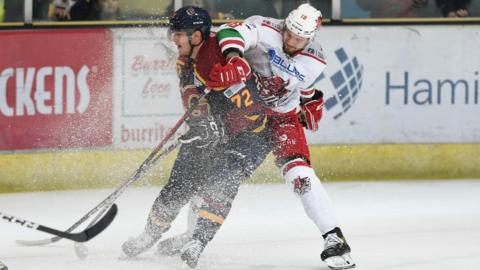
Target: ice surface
[{"x": 390, "y": 225}]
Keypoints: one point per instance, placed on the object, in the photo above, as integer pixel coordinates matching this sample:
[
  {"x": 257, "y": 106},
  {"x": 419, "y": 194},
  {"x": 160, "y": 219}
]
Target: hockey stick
[
  {"x": 149, "y": 165},
  {"x": 80, "y": 249},
  {"x": 134, "y": 177},
  {"x": 83, "y": 236},
  {"x": 101, "y": 206}
]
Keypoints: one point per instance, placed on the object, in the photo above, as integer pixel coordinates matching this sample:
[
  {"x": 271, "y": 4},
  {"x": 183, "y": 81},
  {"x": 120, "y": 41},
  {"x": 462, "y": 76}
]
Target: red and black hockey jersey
[{"x": 239, "y": 106}]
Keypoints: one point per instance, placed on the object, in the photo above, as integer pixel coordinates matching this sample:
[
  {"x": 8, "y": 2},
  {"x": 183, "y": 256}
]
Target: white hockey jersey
[{"x": 260, "y": 40}]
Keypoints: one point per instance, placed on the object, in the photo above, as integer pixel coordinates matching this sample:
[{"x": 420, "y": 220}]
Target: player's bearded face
[
  {"x": 293, "y": 43},
  {"x": 181, "y": 41}
]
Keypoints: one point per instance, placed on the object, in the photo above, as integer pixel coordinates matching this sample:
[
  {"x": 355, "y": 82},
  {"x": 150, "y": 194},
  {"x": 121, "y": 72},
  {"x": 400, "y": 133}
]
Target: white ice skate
[
  {"x": 191, "y": 252},
  {"x": 173, "y": 245},
  {"x": 137, "y": 245}
]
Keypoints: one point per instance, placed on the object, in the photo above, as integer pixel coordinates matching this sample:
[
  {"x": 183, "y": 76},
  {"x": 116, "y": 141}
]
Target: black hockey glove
[{"x": 204, "y": 132}]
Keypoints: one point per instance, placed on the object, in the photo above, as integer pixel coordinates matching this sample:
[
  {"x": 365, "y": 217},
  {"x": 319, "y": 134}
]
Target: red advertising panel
[{"x": 55, "y": 89}]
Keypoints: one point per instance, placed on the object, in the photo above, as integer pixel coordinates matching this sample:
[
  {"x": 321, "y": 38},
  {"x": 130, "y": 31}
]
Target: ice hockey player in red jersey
[{"x": 226, "y": 142}]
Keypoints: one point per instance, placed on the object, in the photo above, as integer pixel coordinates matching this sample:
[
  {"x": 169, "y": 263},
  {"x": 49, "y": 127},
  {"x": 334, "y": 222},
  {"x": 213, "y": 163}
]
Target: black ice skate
[
  {"x": 137, "y": 245},
  {"x": 3, "y": 266},
  {"x": 172, "y": 246},
  {"x": 336, "y": 253},
  {"x": 191, "y": 252}
]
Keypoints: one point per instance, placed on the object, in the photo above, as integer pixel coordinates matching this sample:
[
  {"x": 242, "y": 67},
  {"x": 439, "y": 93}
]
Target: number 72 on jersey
[{"x": 239, "y": 95}]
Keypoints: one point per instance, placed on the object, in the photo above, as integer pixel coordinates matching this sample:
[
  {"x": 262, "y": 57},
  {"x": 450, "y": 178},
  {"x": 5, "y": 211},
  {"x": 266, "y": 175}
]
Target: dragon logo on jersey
[
  {"x": 284, "y": 66},
  {"x": 346, "y": 81}
]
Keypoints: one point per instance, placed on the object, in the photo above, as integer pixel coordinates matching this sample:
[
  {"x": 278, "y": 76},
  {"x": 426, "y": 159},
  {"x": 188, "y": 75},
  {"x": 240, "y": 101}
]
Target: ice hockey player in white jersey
[
  {"x": 291, "y": 55},
  {"x": 290, "y": 61}
]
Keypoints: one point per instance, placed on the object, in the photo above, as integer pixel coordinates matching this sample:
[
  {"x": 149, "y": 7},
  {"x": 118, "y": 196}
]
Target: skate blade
[{"x": 340, "y": 262}]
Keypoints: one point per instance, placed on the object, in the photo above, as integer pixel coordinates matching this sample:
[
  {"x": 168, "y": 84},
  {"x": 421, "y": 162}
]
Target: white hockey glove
[{"x": 204, "y": 132}]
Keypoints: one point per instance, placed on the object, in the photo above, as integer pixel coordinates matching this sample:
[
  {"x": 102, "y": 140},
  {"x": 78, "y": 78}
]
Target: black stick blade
[{"x": 90, "y": 232}]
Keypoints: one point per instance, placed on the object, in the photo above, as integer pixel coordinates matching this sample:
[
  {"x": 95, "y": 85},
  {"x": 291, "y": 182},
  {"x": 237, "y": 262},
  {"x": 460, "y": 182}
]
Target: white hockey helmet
[{"x": 304, "y": 21}]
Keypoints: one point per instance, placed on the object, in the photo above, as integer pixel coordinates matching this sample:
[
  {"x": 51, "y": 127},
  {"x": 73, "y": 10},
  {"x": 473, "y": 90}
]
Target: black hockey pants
[{"x": 213, "y": 174}]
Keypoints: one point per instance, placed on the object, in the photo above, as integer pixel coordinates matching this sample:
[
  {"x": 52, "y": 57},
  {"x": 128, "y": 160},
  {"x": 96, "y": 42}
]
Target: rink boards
[
  {"x": 399, "y": 103},
  {"x": 94, "y": 169}
]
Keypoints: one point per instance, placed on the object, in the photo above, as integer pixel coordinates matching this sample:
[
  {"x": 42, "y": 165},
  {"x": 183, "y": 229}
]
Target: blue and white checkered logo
[{"x": 346, "y": 82}]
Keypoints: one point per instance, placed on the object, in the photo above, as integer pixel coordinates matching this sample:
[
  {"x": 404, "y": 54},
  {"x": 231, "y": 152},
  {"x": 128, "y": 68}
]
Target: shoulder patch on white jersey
[{"x": 314, "y": 49}]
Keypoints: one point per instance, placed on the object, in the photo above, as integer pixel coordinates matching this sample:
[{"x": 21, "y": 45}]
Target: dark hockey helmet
[{"x": 190, "y": 19}]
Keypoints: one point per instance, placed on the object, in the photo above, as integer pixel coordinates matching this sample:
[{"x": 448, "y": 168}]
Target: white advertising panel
[
  {"x": 383, "y": 84},
  {"x": 146, "y": 95},
  {"x": 400, "y": 84}
]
